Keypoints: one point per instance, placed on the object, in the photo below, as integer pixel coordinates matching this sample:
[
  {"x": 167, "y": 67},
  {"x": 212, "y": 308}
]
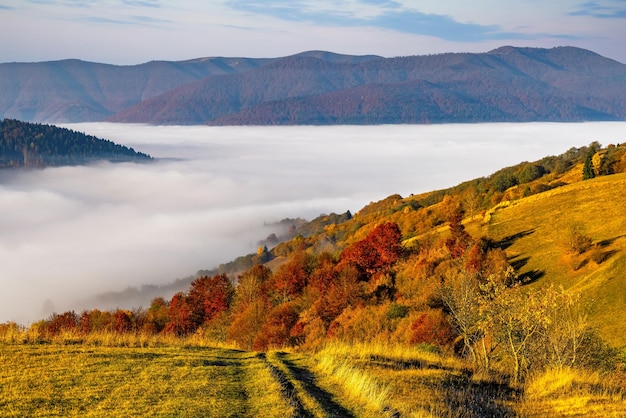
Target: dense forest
[
  {"x": 431, "y": 269},
  {"x": 24, "y": 144},
  {"x": 505, "y": 84},
  {"x": 323, "y": 88}
]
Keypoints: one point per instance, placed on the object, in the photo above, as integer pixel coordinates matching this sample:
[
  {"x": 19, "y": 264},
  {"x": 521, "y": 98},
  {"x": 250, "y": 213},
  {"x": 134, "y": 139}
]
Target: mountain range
[{"x": 316, "y": 87}]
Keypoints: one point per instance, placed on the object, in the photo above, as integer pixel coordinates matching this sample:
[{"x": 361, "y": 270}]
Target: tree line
[
  {"x": 25, "y": 144},
  {"x": 457, "y": 293}
]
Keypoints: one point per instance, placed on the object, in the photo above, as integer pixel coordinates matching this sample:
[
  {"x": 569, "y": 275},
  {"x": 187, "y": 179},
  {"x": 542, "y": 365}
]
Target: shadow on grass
[
  {"x": 518, "y": 262},
  {"x": 609, "y": 241},
  {"x": 467, "y": 398},
  {"x": 531, "y": 276},
  {"x": 402, "y": 364},
  {"x": 324, "y": 398},
  {"x": 527, "y": 277},
  {"x": 506, "y": 242},
  {"x": 606, "y": 255}
]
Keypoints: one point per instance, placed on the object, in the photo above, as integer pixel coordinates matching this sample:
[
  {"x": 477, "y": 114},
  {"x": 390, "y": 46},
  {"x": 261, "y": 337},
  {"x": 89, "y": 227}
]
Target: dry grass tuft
[
  {"x": 567, "y": 392},
  {"x": 555, "y": 381},
  {"x": 358, "y": 384}
]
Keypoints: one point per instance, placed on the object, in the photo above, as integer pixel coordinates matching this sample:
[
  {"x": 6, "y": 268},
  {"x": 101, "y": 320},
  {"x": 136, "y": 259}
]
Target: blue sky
[{"x": 135, "y": 31}]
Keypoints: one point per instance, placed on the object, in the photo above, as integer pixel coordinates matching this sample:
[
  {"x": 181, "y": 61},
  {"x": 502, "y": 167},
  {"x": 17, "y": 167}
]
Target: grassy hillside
[{"x": 536, "y": 231}]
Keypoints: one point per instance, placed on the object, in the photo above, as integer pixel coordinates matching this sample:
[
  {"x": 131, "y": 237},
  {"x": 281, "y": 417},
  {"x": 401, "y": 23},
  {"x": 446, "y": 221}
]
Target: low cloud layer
[{"x": 71, "y": 232}]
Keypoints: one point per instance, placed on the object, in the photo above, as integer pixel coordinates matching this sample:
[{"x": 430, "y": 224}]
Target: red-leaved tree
[
  {"x": 379, "y": 250},
  {"x": 180, "y": 316},
  {"x": 208, "y": 296}
]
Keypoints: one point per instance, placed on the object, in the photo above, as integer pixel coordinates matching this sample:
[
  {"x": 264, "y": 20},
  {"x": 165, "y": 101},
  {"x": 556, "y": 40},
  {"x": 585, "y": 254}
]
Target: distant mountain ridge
[
  {"x": 78, "y": 91},
  {"x": 508, "y": 84}
]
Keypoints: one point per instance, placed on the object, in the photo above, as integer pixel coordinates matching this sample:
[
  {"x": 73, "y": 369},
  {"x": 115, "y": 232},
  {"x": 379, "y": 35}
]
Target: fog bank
[{"x": 71, "y": 232}]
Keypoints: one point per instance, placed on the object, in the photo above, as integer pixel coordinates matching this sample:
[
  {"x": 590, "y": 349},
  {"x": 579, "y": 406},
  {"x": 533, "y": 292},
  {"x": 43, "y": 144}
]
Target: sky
[
  {"x": 70, "y": 233},
  {"x": 127, "y": 32}
]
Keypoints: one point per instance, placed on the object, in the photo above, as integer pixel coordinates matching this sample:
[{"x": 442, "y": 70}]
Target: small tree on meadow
[
  {"x": 576, "y": 241},
  {"x": 588, "y": 170}
]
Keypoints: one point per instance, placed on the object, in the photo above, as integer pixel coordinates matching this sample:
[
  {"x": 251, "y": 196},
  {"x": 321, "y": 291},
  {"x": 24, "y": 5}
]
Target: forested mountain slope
[
  {"x": 317, "y": 87},
  {"x": 78, "y": 91},
  {"x": 24, "y": 144},
  {"x": 507, "y": 84}
]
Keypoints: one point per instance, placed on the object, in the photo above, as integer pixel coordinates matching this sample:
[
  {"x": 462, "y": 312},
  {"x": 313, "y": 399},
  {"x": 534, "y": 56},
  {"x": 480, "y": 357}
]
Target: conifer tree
[{"x": 588, "y": 171}]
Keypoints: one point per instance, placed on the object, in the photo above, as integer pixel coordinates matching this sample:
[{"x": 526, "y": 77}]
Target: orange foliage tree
[
  {"x": 66, "y": 321},
  {"x": 209, "y": 296},
  {"x": 431, "y": 327},
  {"x": 180, "y": 316},
  {"x": 291, "y": 278},
  {"x": 250, "y": 306},
  {"x": 379, "y": 250},
  {"x": 157, "y": 316},
  {"x": 276, "y": 331}
]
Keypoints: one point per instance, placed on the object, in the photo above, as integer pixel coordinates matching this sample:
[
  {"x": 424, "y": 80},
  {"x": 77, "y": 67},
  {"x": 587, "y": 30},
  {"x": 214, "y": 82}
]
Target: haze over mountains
[{"x": 316, "y": 87}]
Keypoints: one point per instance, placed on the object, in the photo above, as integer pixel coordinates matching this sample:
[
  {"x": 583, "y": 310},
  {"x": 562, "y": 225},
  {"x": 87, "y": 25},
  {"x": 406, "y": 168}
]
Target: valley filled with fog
[{"x": 69, "y": 233}]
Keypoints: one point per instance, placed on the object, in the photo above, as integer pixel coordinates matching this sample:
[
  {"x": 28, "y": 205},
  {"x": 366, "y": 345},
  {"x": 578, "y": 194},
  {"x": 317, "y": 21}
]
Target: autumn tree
[
  {"x": 67, "y": 321},
  {"x": 276, "y": 331},
  {"x": 459, "y": 239},
  {"x": 250, "y": 306},
  {"x": 157, "y": 316},
  {"x": 84, "y": 322},
  {"x": 378, "y": 251},
  {"x": 251, "y": 285},
  {"x": 291, "y": 277},
  {"x": 537, "y": 328},
  {"x": 180, "y": 316},
  {"x": 460, "y": 295},
  {"x": 208, "y": 296},
  {"x": 123, "y": 321},
  {"x": 431, "y": 327},
  {"x": 576, "y": 241},
  {"x": 343, "y": 289},
  {"x": 96, "y": 320}
]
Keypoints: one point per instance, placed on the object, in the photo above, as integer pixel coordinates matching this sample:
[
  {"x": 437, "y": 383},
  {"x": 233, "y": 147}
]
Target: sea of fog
[{"x": 69, "y": 233}]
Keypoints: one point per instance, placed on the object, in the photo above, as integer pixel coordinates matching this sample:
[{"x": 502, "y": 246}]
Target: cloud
[
  {"x": 148, "y": 19},
  {"x": 131, "y": 20},
  {"x": 156, "y": 4},
  {"x": 602, "y": 10},
  {"x": 381, "y": 14},
  {"x": 107, "y": 20},
  {"x": 439, "y": 26},
  {"x": 67, "y": 3},
  {"x": 69, "y": 233}
]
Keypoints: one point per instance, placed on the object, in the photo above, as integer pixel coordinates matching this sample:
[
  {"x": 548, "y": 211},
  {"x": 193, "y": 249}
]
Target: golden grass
[
  {"x": 11, "y": 333},
  {"x": 573, "y": 392},
  {"x": 537, "y": 227},
  {"x": 84, "y": 380},
  {"x": 92, "y": 380},
  {"x": 300, "y": 392},
  {"x": 400, "y": 379},
  {"x": 357, "y": 384},
  {"x": 558, "y": 381},
  {"x": 365, "y": 352}
]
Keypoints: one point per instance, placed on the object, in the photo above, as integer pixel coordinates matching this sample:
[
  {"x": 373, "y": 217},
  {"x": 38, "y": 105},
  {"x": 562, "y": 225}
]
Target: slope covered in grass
[{"x": 535, "y": 231}]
